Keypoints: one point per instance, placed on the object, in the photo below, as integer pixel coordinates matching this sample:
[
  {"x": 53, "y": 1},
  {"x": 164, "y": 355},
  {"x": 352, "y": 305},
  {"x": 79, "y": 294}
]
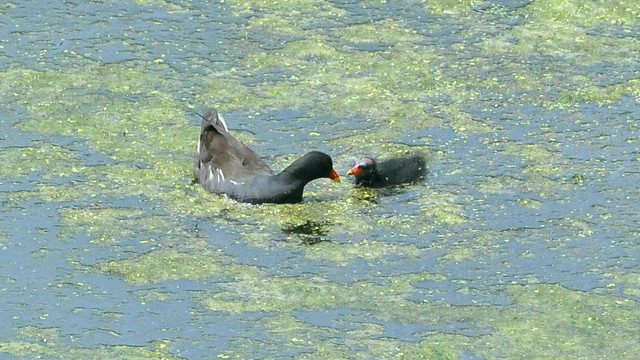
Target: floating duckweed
[
  {"x": 400, "y": 79},
  {"x": 317, "y": 341},
  {"x": 51, "y": 193},
  {"x": 315, "y": 293},
  {"x": 456, "y": 255},
  {"x": 560, "y": 314},
  {"x": 162, "y": 265},
  {"x": 370, "y": 250},
  {"x": 442, "y": 208},
  {"x": 285, "y": 6},
  {"x": 585, "y": 13},
  {"x": 535, "y": 153},
  {"x": 632, "y": 280},
  {"x": 277, "y": 24},
  {"x": 46, "y": 159},
  {"x": 530, "y": 203},
  {"x": 38, "y": 349},
  {"x": 601, "y": 95},
  {"x": 108, "y": 226},
  {"x": 384, "y": 31},
  {"x": 450, "y": 7}
]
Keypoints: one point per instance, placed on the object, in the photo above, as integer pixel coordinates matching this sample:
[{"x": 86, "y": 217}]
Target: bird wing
[{"x": 223, "y": 155}]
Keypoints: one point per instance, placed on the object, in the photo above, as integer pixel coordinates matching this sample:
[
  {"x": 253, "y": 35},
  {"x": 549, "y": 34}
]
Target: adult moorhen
[
  {"x": 394, "y": 171},
  {"x": 223, "y": 164}
]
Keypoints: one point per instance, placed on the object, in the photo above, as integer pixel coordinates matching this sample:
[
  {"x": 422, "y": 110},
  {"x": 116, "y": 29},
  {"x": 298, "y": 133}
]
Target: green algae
[
  {"x": 99, "y": 181},
  {"x": 162, "y": 265},
  {"x": 365, "y": 249},
  {"x": 31, "y": 349},
  {"x": 275, "y": 23},
  {"x": 389, "y": 88},
  {"x": 566, "y": 41},
  {"x": 499, "y": 184},
  {"x": 552, "y": 321},
  {"x": 165, "y": 5},
  {"x": 127, "y": 136},
  {"x": 368, "y": 81},
  {"x": 542, "y": 169},
  {"x": 316, "y": 342},
  {"x": 44, "y": 335},
  {"x": 562, "y": 29},
  {"x": 148, "y": 296},
  {"x": 301, "y": 6},
  {"x": 451, "y": 7},
  {"x": 530, "y": 203},
  {"x": 99, "y": 108},
  {"x": 329, "y": 218},
  {"x": 457, "y": 254},
  {"x": 586, "y": 13},
  {"x": 111, "y": 123},
  {"x": 46, "y": 159},
  {"x": 601, "y": 95},
  {"x": 441, "y": 208},
  {"x": 108, "y": 226},
  {"x": 226, "y": 92},
  {"x": 285, "y": 294},
  {"x": 536, "y": 153},
  {"x": 631, "y": 280},
  {"x": 38, "y": 342},
  {"x": 383, "y": 31},
  {"x": 560, "y": 314},
  {"x": 52, "y": 193}
]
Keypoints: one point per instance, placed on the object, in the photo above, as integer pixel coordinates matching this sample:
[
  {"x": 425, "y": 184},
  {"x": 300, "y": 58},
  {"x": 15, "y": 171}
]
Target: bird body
[
  {"x": 394, "y": 171},
  {"x": 223, "y": 164}
]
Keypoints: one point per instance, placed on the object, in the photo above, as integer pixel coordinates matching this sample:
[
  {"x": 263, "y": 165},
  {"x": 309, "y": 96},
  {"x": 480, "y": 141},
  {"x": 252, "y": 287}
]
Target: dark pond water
[{"x": 521, "y": 242}]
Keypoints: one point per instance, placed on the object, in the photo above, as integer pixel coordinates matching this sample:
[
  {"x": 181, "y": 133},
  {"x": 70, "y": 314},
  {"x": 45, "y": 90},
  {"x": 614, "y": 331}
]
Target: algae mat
[{"x": 522, "y": 241}]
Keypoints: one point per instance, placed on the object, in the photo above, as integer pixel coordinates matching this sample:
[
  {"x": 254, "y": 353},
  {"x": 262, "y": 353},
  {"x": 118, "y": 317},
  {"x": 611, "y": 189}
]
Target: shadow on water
[{"x": 309, "y": 233}]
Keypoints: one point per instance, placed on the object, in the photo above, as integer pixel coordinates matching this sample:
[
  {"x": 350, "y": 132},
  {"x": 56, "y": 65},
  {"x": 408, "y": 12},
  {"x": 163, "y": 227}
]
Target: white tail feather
[{"x": 224, "y": 123}]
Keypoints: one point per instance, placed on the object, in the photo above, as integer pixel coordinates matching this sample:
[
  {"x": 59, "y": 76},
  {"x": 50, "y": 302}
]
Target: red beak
[{"x": 334, "y": 176}]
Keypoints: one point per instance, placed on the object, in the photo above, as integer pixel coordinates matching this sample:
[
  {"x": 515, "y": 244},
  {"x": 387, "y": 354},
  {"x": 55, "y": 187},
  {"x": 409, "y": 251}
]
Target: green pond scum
[
  {"x": 36, "y": 345},
  {"x": 473, "y": 262}
]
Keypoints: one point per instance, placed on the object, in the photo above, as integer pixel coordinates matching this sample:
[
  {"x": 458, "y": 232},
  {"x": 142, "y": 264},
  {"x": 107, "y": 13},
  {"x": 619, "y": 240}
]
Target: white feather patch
[
  {"x": 220, "y": 175},
  {"x": 224, "y": 123}
]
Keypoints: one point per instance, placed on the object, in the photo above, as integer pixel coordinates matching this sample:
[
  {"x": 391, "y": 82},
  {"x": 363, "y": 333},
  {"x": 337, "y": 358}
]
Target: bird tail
[{"x": 210, "y": 116}]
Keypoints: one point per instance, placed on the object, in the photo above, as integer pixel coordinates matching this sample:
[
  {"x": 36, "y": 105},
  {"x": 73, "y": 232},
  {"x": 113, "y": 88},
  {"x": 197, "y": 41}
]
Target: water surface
[{"x": 522, "y": 241}]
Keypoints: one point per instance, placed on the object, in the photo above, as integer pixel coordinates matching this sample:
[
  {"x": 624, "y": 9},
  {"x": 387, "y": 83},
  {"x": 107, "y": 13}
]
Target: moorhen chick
[
  {"x": 223, "y": 164},
  {"x": 389, "y": 172}
]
